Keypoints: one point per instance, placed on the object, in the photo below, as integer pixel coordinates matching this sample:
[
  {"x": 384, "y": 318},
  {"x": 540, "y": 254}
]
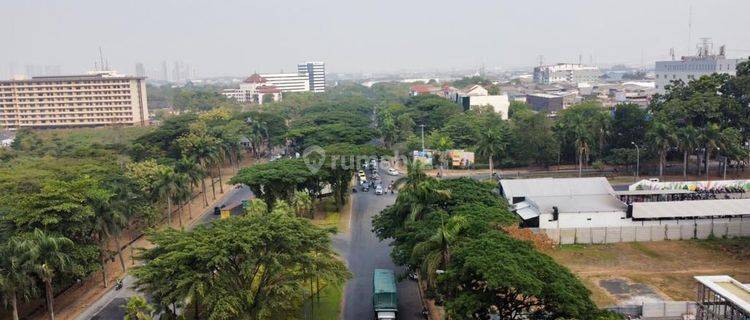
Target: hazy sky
[{"x": 239, "y": 37}]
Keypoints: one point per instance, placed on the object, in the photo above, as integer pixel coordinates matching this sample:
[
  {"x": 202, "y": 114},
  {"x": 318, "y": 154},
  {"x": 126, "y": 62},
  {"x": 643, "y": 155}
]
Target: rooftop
[
  {"x": 567, "y": 194},
  {"x": 729, "y": 288}
]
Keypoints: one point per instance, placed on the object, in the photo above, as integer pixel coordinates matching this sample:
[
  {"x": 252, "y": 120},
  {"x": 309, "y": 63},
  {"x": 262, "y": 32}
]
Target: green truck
[{"x": 384, "y": 294}]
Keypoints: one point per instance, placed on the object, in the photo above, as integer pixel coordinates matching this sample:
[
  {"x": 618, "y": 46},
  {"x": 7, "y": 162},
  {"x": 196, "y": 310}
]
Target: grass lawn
[
  {"x": 325, "y": 307},
  {"x": 667, "y": 267}
]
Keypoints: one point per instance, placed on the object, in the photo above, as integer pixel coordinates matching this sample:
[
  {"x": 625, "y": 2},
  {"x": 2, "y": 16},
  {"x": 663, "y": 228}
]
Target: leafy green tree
[
  {"x": 630, "y": 124},
  {"x": 440, "y": 143},
  {"x": 256, "y": 207},
  {"x": 532, "y": 140},
  {"x": 496, "y": 275},
  {"x": 687, "y": 140},
  {"x": 247, "y": 267},
  {"x": 167, "y": 185},
  {"x": 274, "y": 180},
  {"x": 138, "y": 308},
  {"x": 108, "y": 224},
  {"x": 302, "y": 203},
  {"x": 205, "y": 150}
]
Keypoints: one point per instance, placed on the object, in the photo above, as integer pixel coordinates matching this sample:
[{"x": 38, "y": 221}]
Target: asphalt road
[
  {"x": 364, "y": 253},
  {"x": 112, "y": 304}
]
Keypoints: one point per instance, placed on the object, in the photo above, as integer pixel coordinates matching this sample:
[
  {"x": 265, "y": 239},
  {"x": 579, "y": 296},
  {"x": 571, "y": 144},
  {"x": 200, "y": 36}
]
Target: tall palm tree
[
  {"x": 48, "y": 256},
  {"x": 688, "y": 141},
  {"x": 582, "y": 141},
  {"x": 15, "y": 282},
  {"x": 492, "y": 143},
  {"x": 414, "y": 175},
  {"x": 712, "y": 139},
  {"x": 195, "y": 174},
  {"x": 436, "y": 250},
  {"x": 166, "y": 187},
  {"x": 181, "y": 193},
  {"x": 661, "y": 136},
  {"x": 302, "y": 203},
  {"x": 108, "y": 224},
  {"x": 442, "y": 145}
]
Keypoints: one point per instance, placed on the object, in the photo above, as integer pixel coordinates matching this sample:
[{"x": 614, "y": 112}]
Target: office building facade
[
  {"x": 94, "y": 99},
  {"x": 566, "y": 72},
  {"x": 316, "y": 74},
  {"x": 693, "y": 67},
  {"x": 288, "y": 82}
]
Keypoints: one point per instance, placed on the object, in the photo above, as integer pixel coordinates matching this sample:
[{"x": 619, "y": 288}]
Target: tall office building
[
  {"x": 288, "y": 82},
  {"x": 94, "y": 99},
  {"x": 140, "y": 70},
  {"x": 693, "y": 67},
  {"x": 316, "y": 74}
]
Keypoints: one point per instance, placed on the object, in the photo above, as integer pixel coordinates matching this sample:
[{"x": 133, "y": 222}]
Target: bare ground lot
[{"x": 617, "y": 273}]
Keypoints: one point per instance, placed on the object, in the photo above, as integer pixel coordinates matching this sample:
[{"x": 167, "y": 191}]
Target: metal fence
[{"x": 657, "y": 310}]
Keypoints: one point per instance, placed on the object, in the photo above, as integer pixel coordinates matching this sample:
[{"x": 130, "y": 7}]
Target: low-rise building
[
  {"x": 422, "y": 89},
  {"x": 544, "y": 102},
  {"x": 478, "y": 96},
  {"x": 254, "y": 89},
  {"x": 566, "y": 72},
  {"x": 288, "y": 82}
]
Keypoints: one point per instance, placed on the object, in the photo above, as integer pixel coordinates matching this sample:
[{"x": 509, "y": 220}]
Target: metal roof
[
  {"x": 569, "y": 195},
  {"x": 384, "y": 281},
  {"x": 729, "y": 288},
  {"x": 651, "y": 192},
  {"x": 691, "y": 208}
]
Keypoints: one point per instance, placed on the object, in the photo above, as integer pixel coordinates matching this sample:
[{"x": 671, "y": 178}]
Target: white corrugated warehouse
[{"x": 588, "y": 210}]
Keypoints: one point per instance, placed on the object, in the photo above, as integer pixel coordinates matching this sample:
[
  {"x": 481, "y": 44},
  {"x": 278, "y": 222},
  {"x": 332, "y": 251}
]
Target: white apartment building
[
  {"x": 288, "y": 82},
  {"x": 693, "y": 67},
  {"x": 316, "y": 73},
  {"x": 94, "y": 99},
  {"x": 566, "y": 72},
  {"x": 477, "y": 96}
]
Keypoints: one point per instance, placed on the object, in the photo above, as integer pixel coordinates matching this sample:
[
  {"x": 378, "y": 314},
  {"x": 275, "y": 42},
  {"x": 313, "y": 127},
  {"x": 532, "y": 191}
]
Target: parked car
[
  {"x": 379, "y": 190},
  {"x": 392, "y": 171}
]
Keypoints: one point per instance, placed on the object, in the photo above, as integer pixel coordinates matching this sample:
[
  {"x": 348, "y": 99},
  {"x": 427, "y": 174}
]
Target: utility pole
[
  {"x": 637, "y": 160},
  {"x": 422, "y": 126}
]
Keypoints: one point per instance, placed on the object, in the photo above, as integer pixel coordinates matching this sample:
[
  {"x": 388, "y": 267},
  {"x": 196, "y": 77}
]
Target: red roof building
[{"x": 255, "y": 78}]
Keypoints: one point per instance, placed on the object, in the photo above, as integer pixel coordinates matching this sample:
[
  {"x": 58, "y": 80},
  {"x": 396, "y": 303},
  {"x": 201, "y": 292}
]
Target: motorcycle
[{"x": 118, "y": 284}]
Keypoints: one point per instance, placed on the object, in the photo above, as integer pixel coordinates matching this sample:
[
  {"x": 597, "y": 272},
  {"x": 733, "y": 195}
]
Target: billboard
[
  {"x": 461, "y": 158},
  {"x": 424, "y": 156}
]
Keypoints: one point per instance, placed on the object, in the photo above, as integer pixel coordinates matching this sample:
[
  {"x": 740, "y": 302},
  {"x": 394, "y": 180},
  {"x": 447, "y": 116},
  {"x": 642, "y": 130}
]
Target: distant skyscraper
[
  {"x": 140, "y": 70},
  {"x": 164, "y": 72},
  {"x": 316, "y": 74}
]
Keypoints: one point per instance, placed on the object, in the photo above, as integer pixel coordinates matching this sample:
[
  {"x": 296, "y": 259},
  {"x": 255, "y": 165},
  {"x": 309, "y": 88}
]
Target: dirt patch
[{"x": 665, "y": 267}]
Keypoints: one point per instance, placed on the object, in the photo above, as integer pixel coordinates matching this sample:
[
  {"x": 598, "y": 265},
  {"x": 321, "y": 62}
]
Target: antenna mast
[{"x": 101, "y": 59}]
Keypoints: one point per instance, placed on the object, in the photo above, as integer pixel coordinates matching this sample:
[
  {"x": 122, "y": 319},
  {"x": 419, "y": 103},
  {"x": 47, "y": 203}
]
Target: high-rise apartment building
[
  {"x": 566, "y": 72},
  {"x": 316, "y": 74},
  {"x": 94, "y": 99},
  {"x": 693, "y": 67}
]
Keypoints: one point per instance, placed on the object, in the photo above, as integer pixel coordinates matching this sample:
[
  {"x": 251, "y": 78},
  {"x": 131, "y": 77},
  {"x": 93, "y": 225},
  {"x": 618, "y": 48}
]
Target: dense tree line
[{"x": 451, "y": 232}]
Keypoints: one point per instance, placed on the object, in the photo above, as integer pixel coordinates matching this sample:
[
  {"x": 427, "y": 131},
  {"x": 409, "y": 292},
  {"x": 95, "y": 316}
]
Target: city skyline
[{"x": 391, "y": 37}]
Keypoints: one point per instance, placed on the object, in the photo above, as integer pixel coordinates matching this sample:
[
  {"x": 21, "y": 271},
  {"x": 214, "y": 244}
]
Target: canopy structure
[{"x": 691, "y": 209}]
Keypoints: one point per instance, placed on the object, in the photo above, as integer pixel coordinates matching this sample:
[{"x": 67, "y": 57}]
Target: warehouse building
[{"x": 588, "y": 210}]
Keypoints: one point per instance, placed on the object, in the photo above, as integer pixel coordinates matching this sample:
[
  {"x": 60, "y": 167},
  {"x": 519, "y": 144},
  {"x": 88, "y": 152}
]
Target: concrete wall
[{"x": 652, "y": 231}]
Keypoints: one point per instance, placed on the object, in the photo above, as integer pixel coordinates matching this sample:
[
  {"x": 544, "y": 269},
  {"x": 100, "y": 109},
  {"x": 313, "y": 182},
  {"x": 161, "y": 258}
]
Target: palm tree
[
  {"x": 435, "y": 251},
  {"x": 712, "y": 139},
  {"x": 138, "y": 309},
  {"x": 166, "y": 187},
  {"x": 108, "y": 224},
  {"x": 582, "y": 143},
  {"x": 302, "y": 202},
  {"x": 414, "y": 175},
  {"x": 442, "y": 145},
  {"x": 661, "y": 137},
  {"x": 195, "y": 174},
  {"x": 688, "y": 141},
  {"x": 14, "y": 279},
  {"x": 48, "y": 256},
  {"x": 491, "y": 144},
  {"x": 256, "y": 207},
  {"x": 181, "y": 193}
]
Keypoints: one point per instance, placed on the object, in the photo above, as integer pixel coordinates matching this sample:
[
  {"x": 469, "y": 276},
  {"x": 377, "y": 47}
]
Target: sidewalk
[{"x": 88, "y": 295}]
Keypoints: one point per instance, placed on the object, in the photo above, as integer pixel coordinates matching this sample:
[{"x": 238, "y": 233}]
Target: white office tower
[
  {"x": 693, "y": 67},
  {"x": 316, "y": 73}
]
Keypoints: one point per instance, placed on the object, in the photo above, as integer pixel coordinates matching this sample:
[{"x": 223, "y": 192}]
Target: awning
[{"x": 526, "y": 210}]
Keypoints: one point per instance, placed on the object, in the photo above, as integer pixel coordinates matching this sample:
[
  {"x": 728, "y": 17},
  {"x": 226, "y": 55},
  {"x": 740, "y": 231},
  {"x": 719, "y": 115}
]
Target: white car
[
  {"x": 392, "y": 171},
  {"x": 379, "y": 190}
]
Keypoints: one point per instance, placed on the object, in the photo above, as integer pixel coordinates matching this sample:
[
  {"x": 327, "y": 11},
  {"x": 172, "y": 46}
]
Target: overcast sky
[{"x": 239, "y": 37}]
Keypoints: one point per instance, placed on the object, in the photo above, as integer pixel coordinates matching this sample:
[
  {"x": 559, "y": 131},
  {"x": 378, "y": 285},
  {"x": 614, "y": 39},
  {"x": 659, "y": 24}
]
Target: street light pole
[{"x": 637, "y": 160}]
